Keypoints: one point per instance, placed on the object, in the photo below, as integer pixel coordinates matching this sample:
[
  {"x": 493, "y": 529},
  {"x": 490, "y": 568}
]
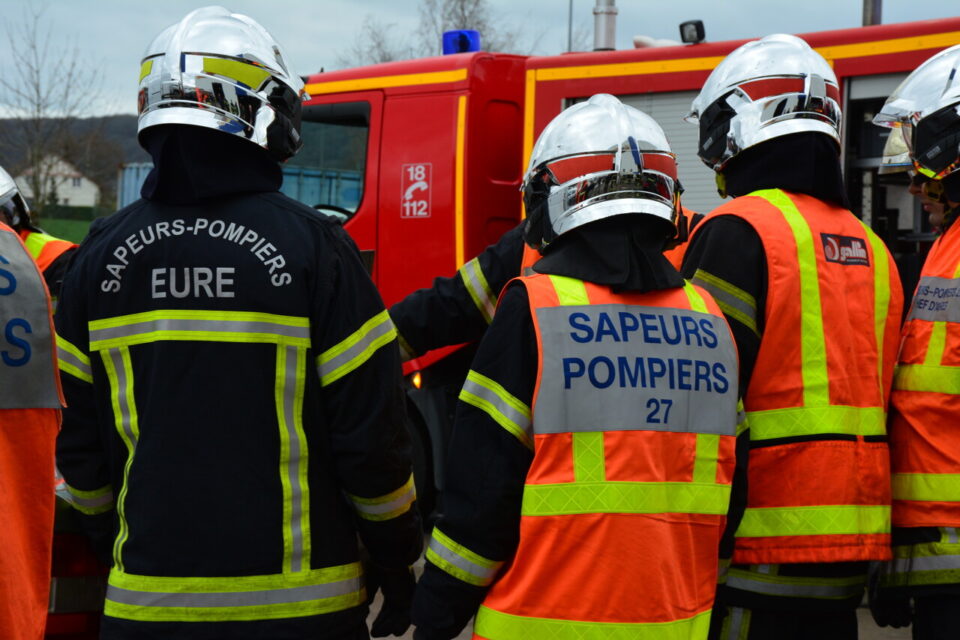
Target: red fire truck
[{"x": 440, "y": 146}]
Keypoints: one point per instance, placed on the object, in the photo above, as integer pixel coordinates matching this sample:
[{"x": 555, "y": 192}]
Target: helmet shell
[
  {"x": 598, "y": 159},
  {"x": 12, "y": 204},
  {"x": 223, "y": 71},
  {"x": 765, "y": 89}
]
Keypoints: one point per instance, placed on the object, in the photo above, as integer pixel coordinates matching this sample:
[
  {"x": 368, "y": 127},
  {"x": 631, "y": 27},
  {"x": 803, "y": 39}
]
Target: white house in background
[{"x": 72, "y": 187}]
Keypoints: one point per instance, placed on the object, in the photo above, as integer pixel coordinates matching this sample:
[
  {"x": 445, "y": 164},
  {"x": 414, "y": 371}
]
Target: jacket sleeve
[
  {"x": 490, "y": 454},
  {"x": 363, "y": 404},
  {"x": 458, "y": 309},
  {"x": 82, "y": 458}
]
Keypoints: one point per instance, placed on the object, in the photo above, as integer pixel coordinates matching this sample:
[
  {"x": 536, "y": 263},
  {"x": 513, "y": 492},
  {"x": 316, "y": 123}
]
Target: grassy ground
[{"x": 73, "y": 230}]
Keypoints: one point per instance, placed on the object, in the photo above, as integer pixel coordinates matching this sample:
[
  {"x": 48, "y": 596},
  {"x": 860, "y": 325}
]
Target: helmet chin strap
[{"x": 721, "y": 181}]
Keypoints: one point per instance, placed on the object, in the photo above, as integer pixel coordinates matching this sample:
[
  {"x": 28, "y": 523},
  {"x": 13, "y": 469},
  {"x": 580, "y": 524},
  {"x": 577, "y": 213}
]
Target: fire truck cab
[{"x": 439, "y": 145}]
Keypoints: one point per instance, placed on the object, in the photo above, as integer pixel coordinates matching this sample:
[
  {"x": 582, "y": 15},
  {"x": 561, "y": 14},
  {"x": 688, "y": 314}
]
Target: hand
[
  {"x": 397, "y": 586},
  {"x": 887, "y": 607}
]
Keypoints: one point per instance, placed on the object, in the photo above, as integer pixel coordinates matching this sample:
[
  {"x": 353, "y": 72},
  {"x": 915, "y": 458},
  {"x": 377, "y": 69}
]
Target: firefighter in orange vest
[
  {"x": 594, "y": 448},
  {"x": 30, "y": 402},
  {"x": 814, "y": 300},
  {"x": 925, "y": 403},
  {"x": 51, "y": 254}
]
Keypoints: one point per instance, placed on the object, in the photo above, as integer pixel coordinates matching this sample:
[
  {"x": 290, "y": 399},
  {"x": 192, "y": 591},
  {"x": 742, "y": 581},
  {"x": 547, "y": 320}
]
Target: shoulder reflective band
[
  {"x": 802, "y": 421},
  {"x": 732, "y": 300},
  {"x": 814, "y": 521},
  {"x": 503, "y": 626},
  {"x": 198, "y": 325},
  {"x": 570, "y": 291},
  {"x": 498, "y": 403},
  {"x": 693, "y": 296},
  {"x": 119, "y": 370},
  {"x": 881, "y": 298},
  {"x": 921, "y": 377},
  {"x": 234, "y": 598},
  {"x": 929, "y": 487},
  {"x": 88, "y": 502},
  {"x": 460, "y": 562},
  {"x": 28, "y": 372},
  {"x": 357, "y": 348},
  {"x": 386, "y": 507},
  {"x": 73, "y": 361},
  {"x": 816, "y": 386},
  {"x": 624, "y": 497},
  {"x": 479, "y": 290},
  {"x": 821, "y": 588},
  {"x": 936, "y": 300},
  {"x": 289, "y": 381}
]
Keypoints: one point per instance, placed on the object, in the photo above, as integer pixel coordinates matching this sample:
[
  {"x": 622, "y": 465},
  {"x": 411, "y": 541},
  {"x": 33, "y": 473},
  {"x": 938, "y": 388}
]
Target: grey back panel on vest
[
  {"x": 27, "y": 370},
  {"x": 620, "y": 367},
  {"x": 937, "y": 300}
]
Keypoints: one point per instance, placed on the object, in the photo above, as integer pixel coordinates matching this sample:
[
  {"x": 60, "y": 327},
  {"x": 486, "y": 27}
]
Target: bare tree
[
  {"x": 374, "y": 44},
  {"x": 48, "y": 88}
]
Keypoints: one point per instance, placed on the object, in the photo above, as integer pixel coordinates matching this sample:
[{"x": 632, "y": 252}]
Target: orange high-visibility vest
[
  {"x": 634, "y": 425},
  {"x": 30, "y": 402},
  {"x": 819, "y": 478},
  {"x": 530, "y": 256},
  {"x": 44, "y": 248},
  {"x": 925, "y": 411}
]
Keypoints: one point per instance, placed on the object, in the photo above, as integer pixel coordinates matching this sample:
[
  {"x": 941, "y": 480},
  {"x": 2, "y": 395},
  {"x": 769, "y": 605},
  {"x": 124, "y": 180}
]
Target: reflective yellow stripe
[
  {"x": 490, "y": 397},
  {"x": 73, "y": 361},
  {"x": 937, "y": 344},
  {"x": 708, "y": 454},
  {"x": 502, "y": 626},
  {"x": 119, "y": 371},
  {"x": 234, "y": 598},
  {"x": 693, "y": 296},
  {"x": 389, "y": 506},
  {"x": 245, "y": 73},
  {"x": 932, "y": 487},
  {"x": 198, "y": 325},
  {"x": 382, "y": 82},
  {"x": 920, "y": 377},
  {"x": 459, "y": 561},
  {"x": 570, "y": 291},
  {"x": 881, "y": 299},
  {"x": 476, "y": 284},
  {"x": 772, "y": 584},
  {"x": 290, "y": 375},
  {"x": 36, "y": 241},
  {"x": 459, "y": 163},
  {"x": 816, "y": 387},
  {"x": 356, "y": 349},
  {"x": 732, "y": 300},
  {"x": 145, "y": 69},
  {"x": 89, "y": 502},
  {"x": 814, "y": 521},
  {"x": 625, "y": 497},
  {"x": 529, "y": 100},
  {"x": 802, "y": 421},
  {"x": 589, "y": 460}
]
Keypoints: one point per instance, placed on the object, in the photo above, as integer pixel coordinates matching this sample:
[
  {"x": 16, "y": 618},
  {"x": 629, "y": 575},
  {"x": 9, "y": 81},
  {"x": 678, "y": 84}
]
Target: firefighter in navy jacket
[{"x": 235, "y": 407}]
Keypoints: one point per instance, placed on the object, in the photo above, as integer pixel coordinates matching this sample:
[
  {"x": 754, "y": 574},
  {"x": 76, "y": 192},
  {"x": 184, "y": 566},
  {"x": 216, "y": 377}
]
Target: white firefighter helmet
[
  {"x": 772, "y": 87},
  {"x": 223, "y": 71},
  {"x": 926, "y": 109},
  {"x": 13, "y": 208},
  {"x": 598, "y": 159},
  {"x": 896, "y": 154}
]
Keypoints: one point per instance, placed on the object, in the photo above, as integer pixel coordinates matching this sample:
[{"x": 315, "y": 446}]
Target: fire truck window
[{"x": 328, "y": 171}]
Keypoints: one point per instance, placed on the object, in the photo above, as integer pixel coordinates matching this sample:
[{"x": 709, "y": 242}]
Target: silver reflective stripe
[
  {"x": 478, "y": 289},
  {"x": 936, "y": 300},
  {"x": 69, "y": 358},
  {"x": 235, "y": 599},
  {"x": 28, "y": 374},
  {"x": 738, "y": 619},
  {"x": 793, "y": 587},
  {"x": 379, "y": 509},
  {"x": 124, "y": 423},
  {"x": 368, "y": 340},
  {"x": 520, "y": 419},
  {"x": 926, "y": 563},
  {"x": 86, "y": 503},
  {"x": 197, "y": 325},
  {"x": 728, "y": 301},
  {"x": 652, "y": 369},
  {"x": 484, "y": 575},
  {"x": 950, "y": 533},
  {"x": 297, "y": 455}
]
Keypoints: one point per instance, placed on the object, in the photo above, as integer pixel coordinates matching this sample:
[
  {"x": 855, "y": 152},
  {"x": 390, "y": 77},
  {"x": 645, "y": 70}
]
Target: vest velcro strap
[
  {"x": 928, "y": 378},
  {"x": 931, "y": 487},
  {"x": 625, "y": 497},
  {"x": 803, "y": 421},
  {"x": 820, "y": 588},
  {"x": 504, "y": 626},
  {"x": 814, "y": 521},
  {"x": 234, "y": 598}
]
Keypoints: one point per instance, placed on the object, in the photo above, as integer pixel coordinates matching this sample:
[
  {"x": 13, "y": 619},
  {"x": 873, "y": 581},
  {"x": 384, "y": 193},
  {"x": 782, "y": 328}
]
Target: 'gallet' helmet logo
[{"x": 844, "y": 250}]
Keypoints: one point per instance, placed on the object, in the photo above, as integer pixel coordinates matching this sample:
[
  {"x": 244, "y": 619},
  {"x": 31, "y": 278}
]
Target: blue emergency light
[{"x": 461, "y": 41}]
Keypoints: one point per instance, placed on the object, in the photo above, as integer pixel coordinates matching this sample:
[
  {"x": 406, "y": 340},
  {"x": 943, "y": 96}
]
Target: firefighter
[
  {"x": 814, "y": 301},
  {"x": 51, "y": 254},
  {"x": 589, "y": 475},
  {"x": 30, "y": 402},
  {"x": 235, "y": 410},
  {"x": 924, "y": 412}
]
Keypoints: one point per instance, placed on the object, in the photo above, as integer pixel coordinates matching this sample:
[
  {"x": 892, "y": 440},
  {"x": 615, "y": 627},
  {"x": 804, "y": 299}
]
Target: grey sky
[{"x": 112, "y": 34}]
